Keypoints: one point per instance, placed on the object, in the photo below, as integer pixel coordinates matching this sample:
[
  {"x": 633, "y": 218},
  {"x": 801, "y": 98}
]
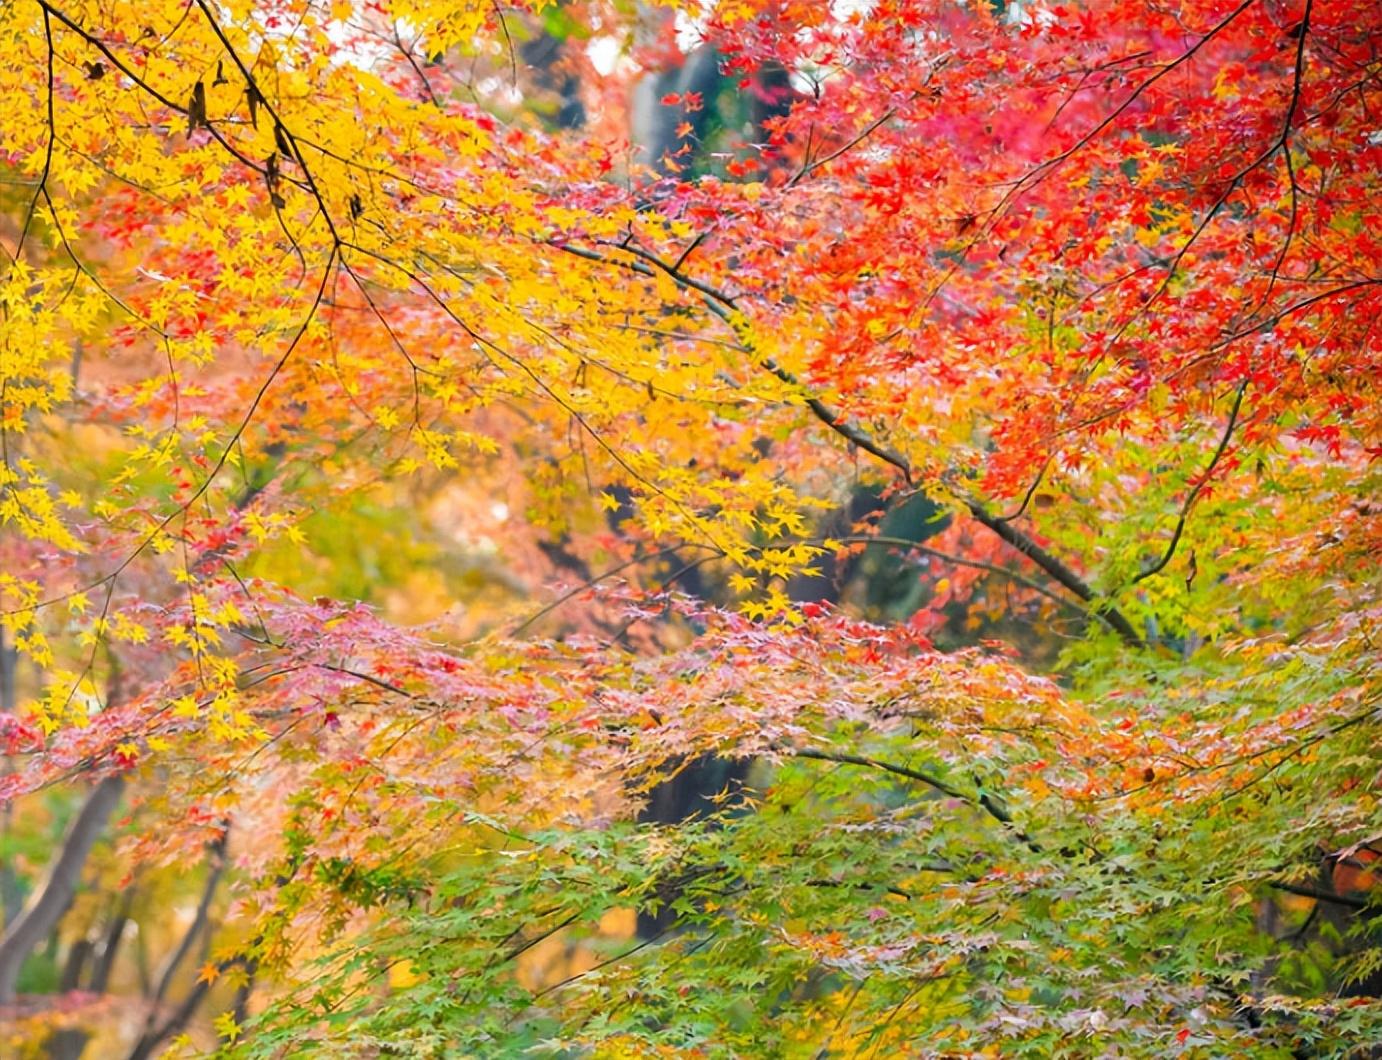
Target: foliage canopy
[{"x": 964, "y": 417}]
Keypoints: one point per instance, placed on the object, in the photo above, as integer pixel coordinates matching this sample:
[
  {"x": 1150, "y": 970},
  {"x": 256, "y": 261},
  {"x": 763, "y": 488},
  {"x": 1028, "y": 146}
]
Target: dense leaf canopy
[{"x": 432, "y": 429}]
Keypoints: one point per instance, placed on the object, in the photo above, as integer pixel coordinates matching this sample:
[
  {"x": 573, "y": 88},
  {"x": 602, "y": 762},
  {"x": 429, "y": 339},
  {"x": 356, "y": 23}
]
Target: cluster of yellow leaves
[
  {"x": 68, "y": 699},
  {"x": 280, "y": 237},
  {"x": 260, "y": 529},
  {"x": 201, "y": 632},
  {"x": 117, "y": 627},
  {"x": 27, "y": 504},
  {"x": 20, "y": 599},
  {"x": 44, "y": 313},
  {"x": 220, "y": 703}
]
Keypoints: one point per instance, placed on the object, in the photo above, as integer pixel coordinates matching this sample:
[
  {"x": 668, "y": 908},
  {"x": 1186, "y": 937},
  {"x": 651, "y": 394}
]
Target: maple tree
[{"x": 963, "y": 417}]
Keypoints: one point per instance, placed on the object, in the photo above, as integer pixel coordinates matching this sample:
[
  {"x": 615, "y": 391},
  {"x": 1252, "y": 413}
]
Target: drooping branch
[
  {"x": 964, "y": 561},
  {"x": 1199, "y": 486},
  {"x": 723, "y": 305},
  {"x": 130, "y": 72},
  {"x": 982, "y": 800},
  {"x": 1058, "y": 570}
]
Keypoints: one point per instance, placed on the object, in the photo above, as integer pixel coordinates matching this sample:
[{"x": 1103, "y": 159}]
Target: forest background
[{"x": 765, "y": 528}]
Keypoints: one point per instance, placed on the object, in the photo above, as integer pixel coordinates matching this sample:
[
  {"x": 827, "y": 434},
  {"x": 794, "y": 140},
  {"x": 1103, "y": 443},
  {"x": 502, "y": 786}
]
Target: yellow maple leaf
[
  {"x": 741, "y": 583},
  {"x": 226, "y": 1026}
]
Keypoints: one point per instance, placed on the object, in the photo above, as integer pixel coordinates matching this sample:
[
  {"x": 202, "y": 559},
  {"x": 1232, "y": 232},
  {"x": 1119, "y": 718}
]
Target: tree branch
[
  {"x": 1194, "y": 493},
  {"x": 110, "y": 946},
  {"x": 147, "y": 1043},
  {"x": 1056, "y": 569},
  {"x": 1304, "y": 891},
  {"x": 723, "y": 306},
  {"x": 962, "y": 561},
  {"x": 984, "y": 801}
]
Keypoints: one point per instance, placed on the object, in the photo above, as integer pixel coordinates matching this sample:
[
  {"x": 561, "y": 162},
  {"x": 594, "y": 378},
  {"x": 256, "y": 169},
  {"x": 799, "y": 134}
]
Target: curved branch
[
  {"x": 962, "y": 561},
  {"x": 1347, "y": 900},
  {"x": 983, "y": 800},
  {"x": 1194, "y": 493},
  {"x": 1058, "y": 570},
  {"x": 722, "y": 305}
]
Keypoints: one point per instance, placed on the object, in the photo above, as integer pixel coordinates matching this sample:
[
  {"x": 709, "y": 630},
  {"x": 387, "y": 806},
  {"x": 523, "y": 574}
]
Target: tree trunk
[{"x": 52, "y": 898}]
